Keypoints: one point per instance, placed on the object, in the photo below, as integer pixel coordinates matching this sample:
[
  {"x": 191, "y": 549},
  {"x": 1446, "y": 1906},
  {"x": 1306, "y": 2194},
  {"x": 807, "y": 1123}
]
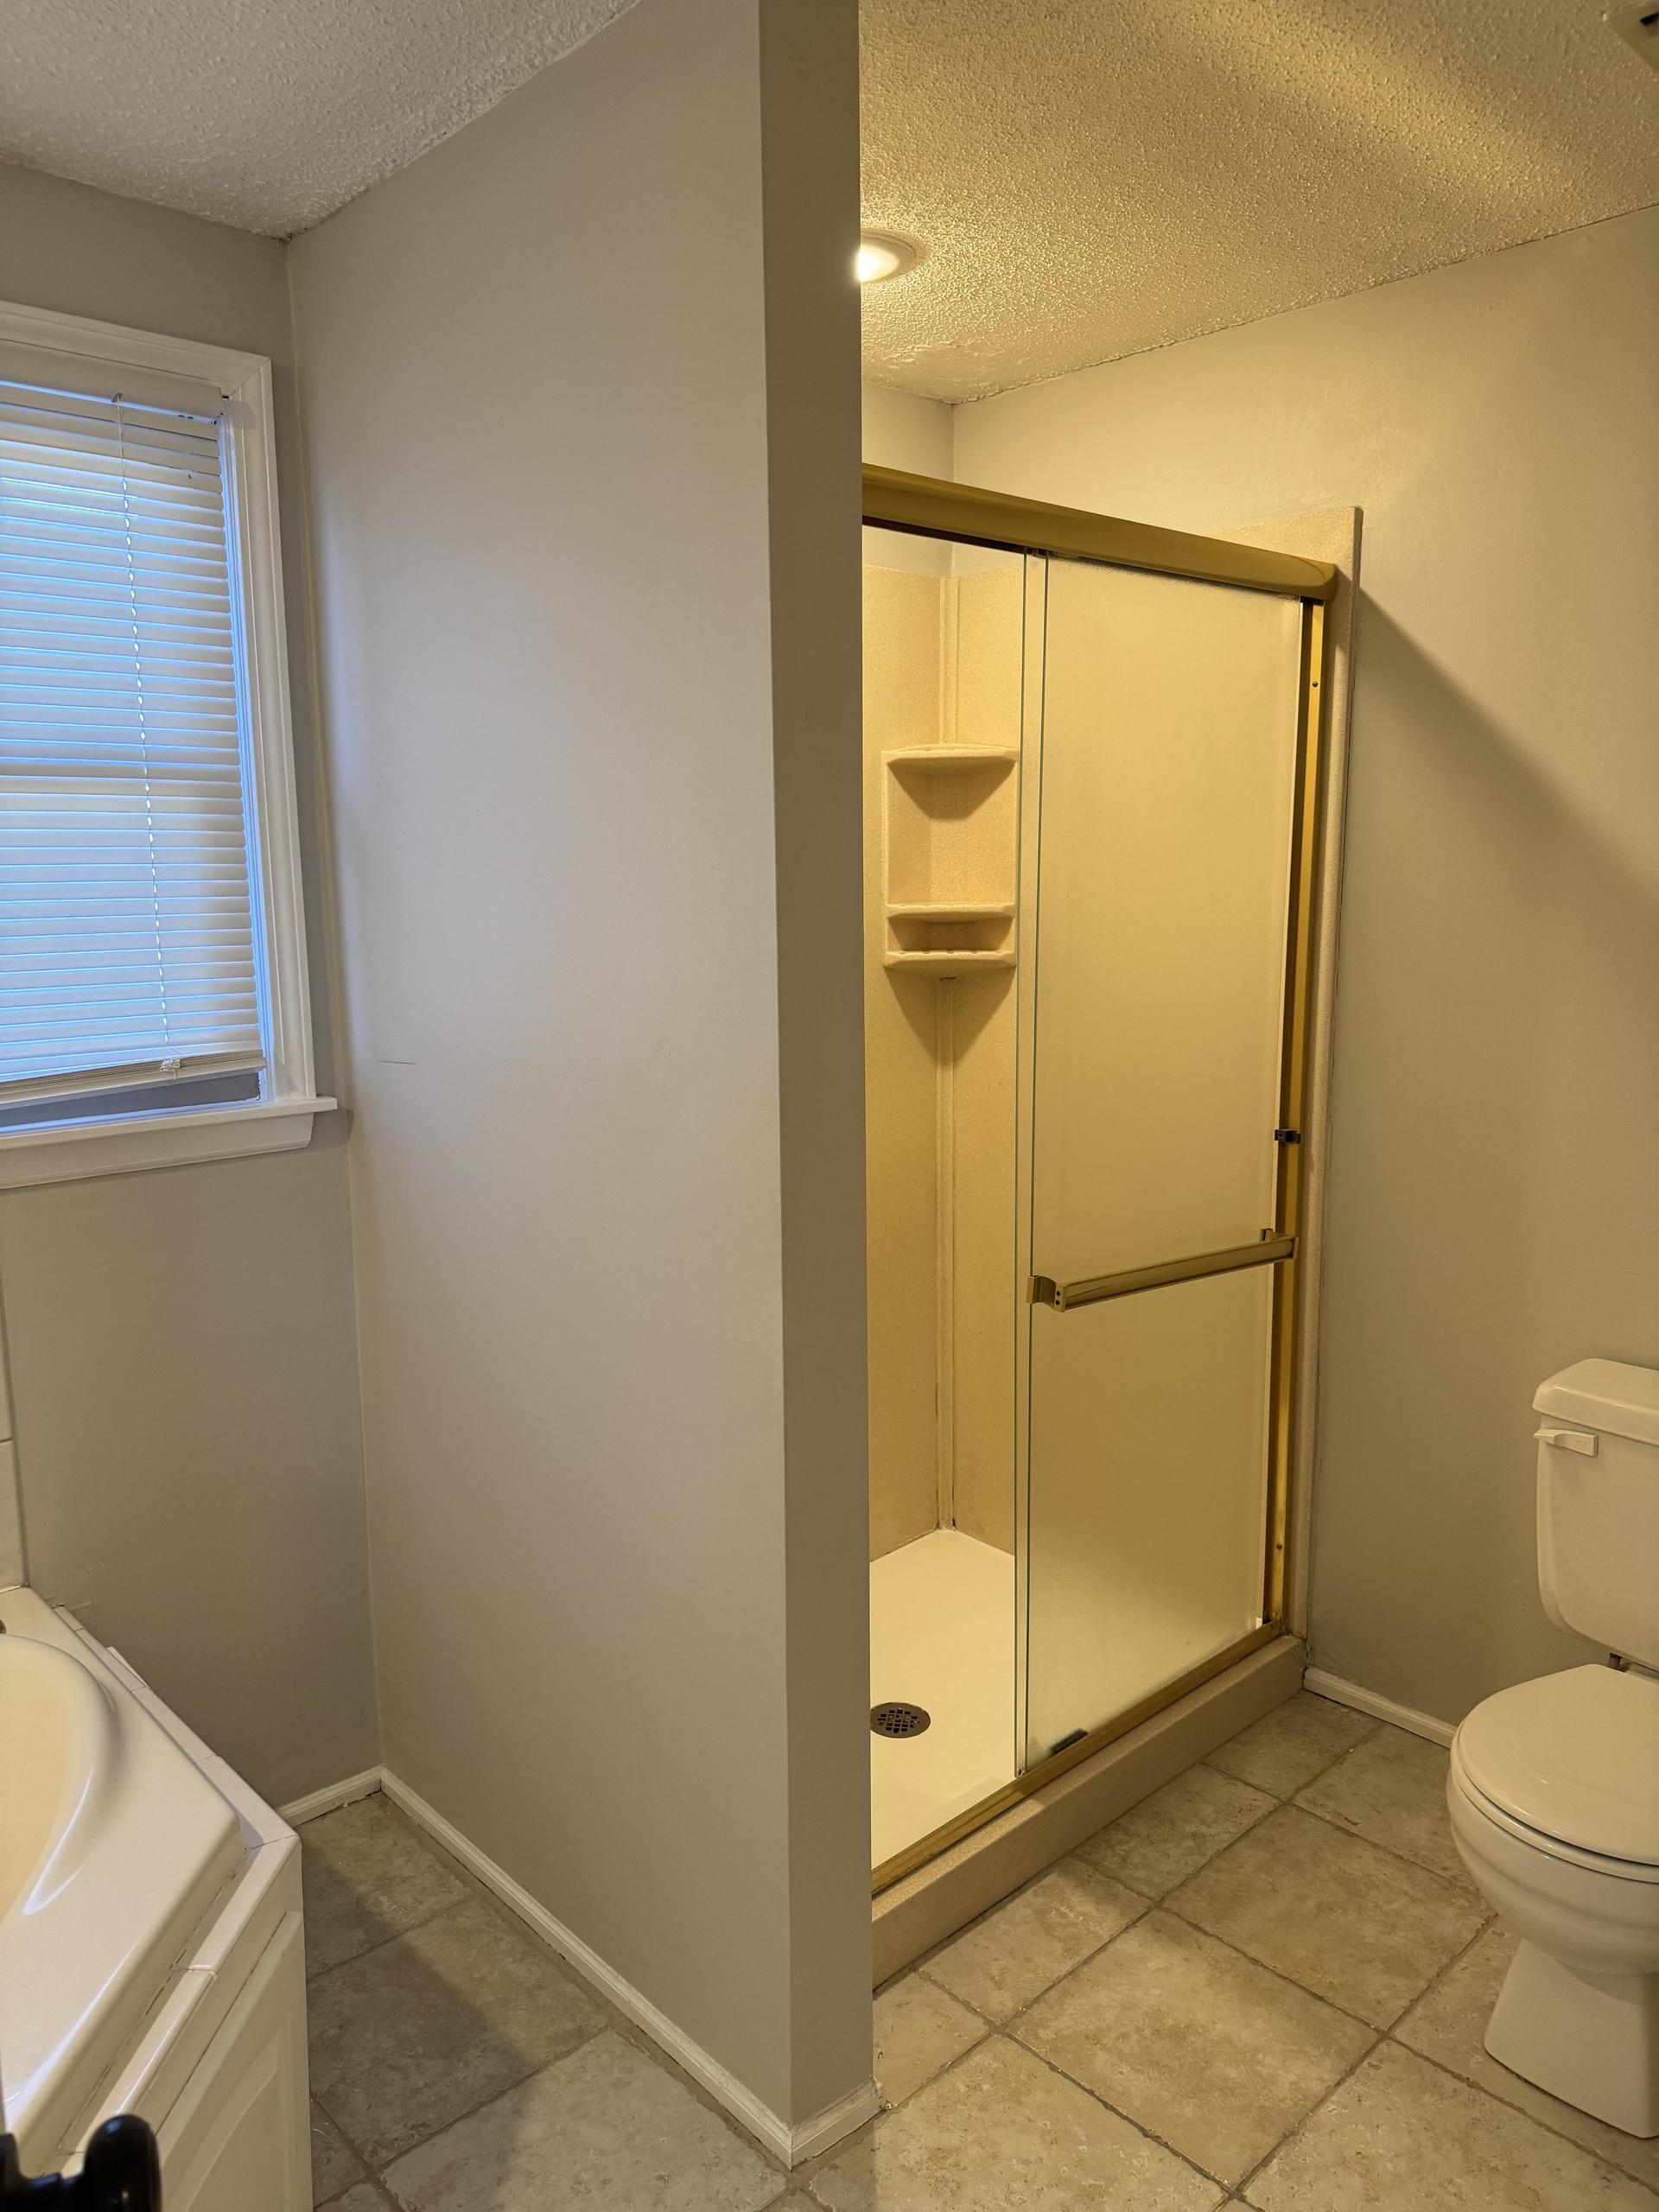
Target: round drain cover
[{"x": 898, "y": 1720}]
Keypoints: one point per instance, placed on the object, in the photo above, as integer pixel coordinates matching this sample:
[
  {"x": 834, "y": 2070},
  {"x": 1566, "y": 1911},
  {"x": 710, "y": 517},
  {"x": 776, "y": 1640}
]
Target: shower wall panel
[
  {"x": 903, "y": 659},
  {"x": 942, "y": 666}
]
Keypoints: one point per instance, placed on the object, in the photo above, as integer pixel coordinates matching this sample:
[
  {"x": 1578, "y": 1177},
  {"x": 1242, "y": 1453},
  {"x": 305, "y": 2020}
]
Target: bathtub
[{"x": 152, "y": 1955}]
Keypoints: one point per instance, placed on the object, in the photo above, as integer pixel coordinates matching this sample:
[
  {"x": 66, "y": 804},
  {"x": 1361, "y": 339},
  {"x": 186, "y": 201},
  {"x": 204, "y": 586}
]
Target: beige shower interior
[
  {"x": 941, "y": 668},
  {"x": 1070, "y": 1510},
  {"x": 942, "y": 671}
]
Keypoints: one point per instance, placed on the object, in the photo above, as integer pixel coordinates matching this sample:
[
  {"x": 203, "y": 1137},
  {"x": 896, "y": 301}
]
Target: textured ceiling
[
  {"x": 1091, "y": 178},
  {"x": 268, "y": 114},
  {"x": 1088, "y": 178}
]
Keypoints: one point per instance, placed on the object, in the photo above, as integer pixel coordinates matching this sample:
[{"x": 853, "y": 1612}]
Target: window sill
[{"x": 66, "y": 1155}]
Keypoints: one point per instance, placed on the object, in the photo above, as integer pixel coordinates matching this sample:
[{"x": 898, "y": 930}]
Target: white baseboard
[
  {"x": 827, "y": 2129},
  {"x": 792, "y": 2144},
  {"x": 1382, "y": 1709},
  {"x": 331, "y": 1798}
]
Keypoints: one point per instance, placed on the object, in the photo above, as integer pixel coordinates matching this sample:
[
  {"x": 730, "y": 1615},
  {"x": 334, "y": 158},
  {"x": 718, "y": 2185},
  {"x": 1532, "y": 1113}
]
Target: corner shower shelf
[
  {"x": 936, "y": 911},
  {"x": 946, "y": 964},
  {"x": 950, "y": 819},
  {"x": 950, "y": 759}
]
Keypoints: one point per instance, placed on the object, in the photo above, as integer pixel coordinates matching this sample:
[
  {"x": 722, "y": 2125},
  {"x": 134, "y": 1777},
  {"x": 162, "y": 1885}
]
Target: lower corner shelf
[{"x": 945, "y": 964}]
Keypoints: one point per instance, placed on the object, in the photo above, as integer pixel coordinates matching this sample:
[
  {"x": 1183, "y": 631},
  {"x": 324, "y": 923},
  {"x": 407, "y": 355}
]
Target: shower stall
[{"x": 1092, "y": 757}]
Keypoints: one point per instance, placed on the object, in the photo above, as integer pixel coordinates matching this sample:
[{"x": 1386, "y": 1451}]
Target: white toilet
[{"x": 1554, "y": 1784}]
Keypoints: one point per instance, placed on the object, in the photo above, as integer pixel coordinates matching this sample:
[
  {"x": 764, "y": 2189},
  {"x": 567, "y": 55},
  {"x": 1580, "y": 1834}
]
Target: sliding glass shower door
[{"x": 1160, "y": 822}]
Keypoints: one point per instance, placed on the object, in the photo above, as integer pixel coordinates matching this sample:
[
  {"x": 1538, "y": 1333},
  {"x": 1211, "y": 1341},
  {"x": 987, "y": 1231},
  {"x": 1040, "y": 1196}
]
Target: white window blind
[{"x": 127, "y": 931}]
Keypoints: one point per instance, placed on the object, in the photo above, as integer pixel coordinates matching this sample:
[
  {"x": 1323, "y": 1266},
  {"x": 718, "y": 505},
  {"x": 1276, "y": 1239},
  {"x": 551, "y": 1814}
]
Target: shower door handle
[{"x": 1043, "y": 1290}]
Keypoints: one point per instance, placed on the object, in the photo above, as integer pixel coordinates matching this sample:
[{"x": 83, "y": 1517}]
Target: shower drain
[{"x": 898, "y": 1720}]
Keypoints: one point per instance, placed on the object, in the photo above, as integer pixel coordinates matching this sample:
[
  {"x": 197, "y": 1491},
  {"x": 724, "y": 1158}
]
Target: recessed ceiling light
[
  {"x": 880, "y": 255},
  {"x": 1638, "y": 26}
]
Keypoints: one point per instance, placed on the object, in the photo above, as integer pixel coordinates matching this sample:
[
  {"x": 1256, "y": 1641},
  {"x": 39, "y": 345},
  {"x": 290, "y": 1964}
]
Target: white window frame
[{"x": 281, "y": 1120}]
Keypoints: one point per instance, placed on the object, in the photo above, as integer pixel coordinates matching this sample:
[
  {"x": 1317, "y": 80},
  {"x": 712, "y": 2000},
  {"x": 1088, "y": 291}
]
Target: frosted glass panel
[
  {"x": 1168, "y": 761},
  {"x": 1148, "y": 1491},
  {"x": 1165, "y": 805}
]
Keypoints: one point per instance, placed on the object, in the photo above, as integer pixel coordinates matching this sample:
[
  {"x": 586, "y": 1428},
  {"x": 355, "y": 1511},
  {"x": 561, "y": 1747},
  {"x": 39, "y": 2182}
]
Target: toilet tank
[{"x": 1598, "y": 1505}]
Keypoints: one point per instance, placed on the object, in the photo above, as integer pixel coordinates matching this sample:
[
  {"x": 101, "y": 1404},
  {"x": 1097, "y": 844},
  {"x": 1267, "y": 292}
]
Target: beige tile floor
[{"x": 1265, "y": 1987}]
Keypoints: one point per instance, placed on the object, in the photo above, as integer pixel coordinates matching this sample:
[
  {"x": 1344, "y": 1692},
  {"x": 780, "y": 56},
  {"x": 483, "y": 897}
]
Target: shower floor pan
[{"x": 942, "y": 1637}]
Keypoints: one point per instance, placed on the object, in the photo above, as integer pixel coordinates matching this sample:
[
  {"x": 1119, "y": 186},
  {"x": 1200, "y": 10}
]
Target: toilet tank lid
[{"x": 1601, "y": 1393}]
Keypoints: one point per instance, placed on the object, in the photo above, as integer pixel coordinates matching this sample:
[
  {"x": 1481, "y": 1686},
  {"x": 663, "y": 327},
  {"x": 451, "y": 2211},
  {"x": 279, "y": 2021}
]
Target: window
[{"x": 153, "y": 1002}]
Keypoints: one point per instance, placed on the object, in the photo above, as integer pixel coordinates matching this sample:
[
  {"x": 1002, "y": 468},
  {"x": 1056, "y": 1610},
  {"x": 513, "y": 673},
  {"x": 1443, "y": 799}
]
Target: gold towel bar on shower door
[{"x": 1043, "y": 1290}]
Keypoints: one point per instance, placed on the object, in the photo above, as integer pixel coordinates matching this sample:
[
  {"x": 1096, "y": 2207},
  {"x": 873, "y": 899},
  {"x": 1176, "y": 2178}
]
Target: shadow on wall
[{"x": 1494, "y": 1193}]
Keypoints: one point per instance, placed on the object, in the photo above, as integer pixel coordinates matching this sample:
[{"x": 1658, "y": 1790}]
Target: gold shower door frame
[{"x": 931, "y": 507}]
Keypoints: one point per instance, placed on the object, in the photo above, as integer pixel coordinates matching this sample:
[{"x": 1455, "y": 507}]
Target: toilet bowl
[
  {"x": 1554, "y": 1794},
  {"x": 1554, "y": 1784}
]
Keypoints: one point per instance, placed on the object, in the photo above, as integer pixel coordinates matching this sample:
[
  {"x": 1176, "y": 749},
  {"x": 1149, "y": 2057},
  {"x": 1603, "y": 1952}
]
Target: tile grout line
[
  {"x": 1238, "y": 1951},
  {"x": 377, "y": 2172},
  {"x": 406, "y": 1827},
  {"x": 1001, "y": 2029},
  {"x": 1487, "y": 1916},
  {"x": 1209, "y": 1758},
  {"x": 1379, "y": 2037},
  {"x": 1377, "y": 2034},
  {"x": 614, "y": 2019},
  {"x": 1438, "y": 1978},
  {"x": 1230, "y": 1944},
  {"x": 1008, "y": 2028},
  {"x": 381, "y": 1941},
  {"x": 1009, "y": 2025},
  {"x": 1389, "y": 1850},
  {"x": 1164, "y": 1903},
  {"x": 998, "y": 2026},
  {"x": 1140, "y": 2127},
  {"x": 1392, "y": 2034},
  {"x": 1495, "y": 2096},
  {"x": 367, "y": 2174},
  {"x": 1274, "y": 1803},
  {"x": 1320, "y": 1775},
  {"x": 1150, "y": 1901}
]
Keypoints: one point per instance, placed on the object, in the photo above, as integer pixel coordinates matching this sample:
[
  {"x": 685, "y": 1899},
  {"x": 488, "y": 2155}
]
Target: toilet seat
[
  {"x": 1571, "y": 1762},
  {"x": 1546, "y": 1847}
]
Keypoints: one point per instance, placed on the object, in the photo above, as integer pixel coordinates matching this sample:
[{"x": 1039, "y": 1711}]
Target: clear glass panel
[
  {"x": 1148, "y": 1489},
  {"x": 1153, "y": 1002},
  {"x": 1169, "y": 749}
]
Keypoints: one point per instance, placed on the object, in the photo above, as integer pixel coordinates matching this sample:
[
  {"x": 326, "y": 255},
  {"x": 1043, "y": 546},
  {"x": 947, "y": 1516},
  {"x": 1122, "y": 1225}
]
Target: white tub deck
[{"x": 114, "y": 1848}]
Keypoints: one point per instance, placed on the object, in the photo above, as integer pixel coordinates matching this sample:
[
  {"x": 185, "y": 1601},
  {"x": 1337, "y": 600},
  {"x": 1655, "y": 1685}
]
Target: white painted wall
[
  {"x": 902, "y": 431},
  {"x": 579, "y": 402},
  {"x": 1494, "y": 1196},
  {"x": 182, "y": 1353}
]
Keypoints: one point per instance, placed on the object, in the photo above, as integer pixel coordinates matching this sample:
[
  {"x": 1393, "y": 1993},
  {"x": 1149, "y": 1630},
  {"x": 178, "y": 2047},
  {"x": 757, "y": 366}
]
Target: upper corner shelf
[
  {"x": 949, "y": 821},
  {"x": 950, "y": 759}
]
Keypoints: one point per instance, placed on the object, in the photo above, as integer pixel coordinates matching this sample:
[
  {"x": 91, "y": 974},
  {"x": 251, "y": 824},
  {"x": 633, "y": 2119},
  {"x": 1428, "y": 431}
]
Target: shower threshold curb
[{"x": 971, "y": 1876}]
